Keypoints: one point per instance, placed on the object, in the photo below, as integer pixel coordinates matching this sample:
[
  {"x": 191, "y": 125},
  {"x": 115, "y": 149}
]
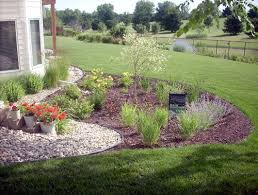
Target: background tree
[
  {"x": 253, "y": 15},
  {"x": 126, "y": 18},
  {"x": 105, "y": 13},
  {"x": 233, "y": 25},
  {"x": 184, "y": 12},
  {"x": 168, "y": 15},
  {"x": 208, "y": 22},
  {"x": 142, "y": 55},
  {"x": 226, "y": 12},
  {"x": 140, "y": 28},
  {"x": 143, "y": 13},
  {"x": 86, "y": 21}
]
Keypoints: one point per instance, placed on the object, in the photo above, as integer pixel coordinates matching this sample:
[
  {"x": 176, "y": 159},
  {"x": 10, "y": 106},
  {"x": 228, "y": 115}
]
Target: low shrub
[
  {"x": 72, "y": 91},
  {"x": 96, "y": 81},
  {"x": 119, "y": 30},
  {"x": 155, "y": 28},
  {"x": 97, "y": 99},
  {"x": 126, "y": 80},
  {"x": 58, "y": 69},
  {"x": 3, "y": 96},
  {"x": 161, "y": 116},
  {"x": 62, "y": 101},
  {"x": 145, "y": 83},
  {"x": 179, "y": 48},
  {"x": 107, "y": 39},
  {"x": 13, "y": 91},
  {"x": 196, "y": 36},
  {"x": 129, "y": 115},
  {"x": 193, "y": 92},
  {"x": 69, "y": 33},
  {"x": 81, "y": 109},
  {"x": 148, "y": 127},
  {"x": 32, "y": 83},
  {"x": 63, "y": 127},
  {"x": 200, "y": 115}
]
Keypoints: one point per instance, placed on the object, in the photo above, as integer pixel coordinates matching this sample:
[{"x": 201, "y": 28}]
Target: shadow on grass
[{"x": 201, "y": 169}]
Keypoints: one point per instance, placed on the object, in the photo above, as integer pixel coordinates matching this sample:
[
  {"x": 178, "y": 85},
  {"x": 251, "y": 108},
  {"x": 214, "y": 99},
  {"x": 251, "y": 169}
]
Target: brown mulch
[{"x": 232, "y": 128}]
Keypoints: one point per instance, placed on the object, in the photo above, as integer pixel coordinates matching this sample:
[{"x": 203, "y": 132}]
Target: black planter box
[{"x": 177, "y": 102}]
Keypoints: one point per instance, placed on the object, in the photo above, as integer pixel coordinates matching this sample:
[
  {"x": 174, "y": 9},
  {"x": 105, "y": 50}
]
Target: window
[
  {"x": 8, "y": 46},
  {"x": 35, "y": 42}
]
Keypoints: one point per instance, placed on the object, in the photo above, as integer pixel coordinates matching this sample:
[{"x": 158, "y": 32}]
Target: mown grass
[{"x": 193, "y": 169}]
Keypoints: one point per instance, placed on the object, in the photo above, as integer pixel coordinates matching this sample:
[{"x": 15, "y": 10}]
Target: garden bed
[{"x": 231, "y": 128}]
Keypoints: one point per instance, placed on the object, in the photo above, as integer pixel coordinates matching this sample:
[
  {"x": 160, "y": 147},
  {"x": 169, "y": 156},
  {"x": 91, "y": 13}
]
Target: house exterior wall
[{"x": 21, "y": 11}]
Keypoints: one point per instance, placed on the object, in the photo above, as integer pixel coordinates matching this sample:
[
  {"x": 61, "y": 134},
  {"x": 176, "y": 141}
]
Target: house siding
[{"x": 21, "y": 11}]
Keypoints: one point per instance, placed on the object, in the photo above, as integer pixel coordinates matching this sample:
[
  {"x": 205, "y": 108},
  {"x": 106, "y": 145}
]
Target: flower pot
[
  {"x": 15, "y": 115},
  {"x": 29, "y": 121},
  {"x": 48, "y": 128}
]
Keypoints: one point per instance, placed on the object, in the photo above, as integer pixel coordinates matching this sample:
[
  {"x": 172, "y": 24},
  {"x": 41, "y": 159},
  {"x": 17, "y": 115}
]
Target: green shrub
[
  {"x": 119, "y": 30},
  {"x": 69, "y": 33},
  {"x": 129, "y": 115},
  {"x": 32, "y": 83},
  {"x": 72, "y": 91},
  {"x": 179, "y": 48},
  {"x": 81, "y": 109},
  {"x": 63, "y": 127},
  {"x": 145, "y": 83},
  {"x": 3, "y": 96},
  {"x": 107, "y": 39},
  {"x": 148, "y": 127},
  {"x": 58, "y": 69},
  {"x": 102, "y": 27},
  {"x": 97, "y": 99},
  {"x": 62, "y": 101},
  {"x": 97, "y": 82},
  {"x": 13, "y": 90},
  {"x": 161, "y": 116},
  {"x": 126, "y": 80},
  {"x": 196, "y": 36}
]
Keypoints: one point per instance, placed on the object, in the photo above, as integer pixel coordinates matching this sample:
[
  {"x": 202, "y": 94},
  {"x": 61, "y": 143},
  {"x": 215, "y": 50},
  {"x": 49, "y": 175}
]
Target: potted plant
[
  {"x": 47, "y": 116},
  {"x": 14, "y": 112},
  {"x": 28, "y": 114}
]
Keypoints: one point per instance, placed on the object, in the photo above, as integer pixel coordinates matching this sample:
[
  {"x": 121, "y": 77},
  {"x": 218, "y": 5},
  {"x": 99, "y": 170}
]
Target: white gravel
[
  {"x": 75, "y": 74},
  {"x": 19, "y": 146}
]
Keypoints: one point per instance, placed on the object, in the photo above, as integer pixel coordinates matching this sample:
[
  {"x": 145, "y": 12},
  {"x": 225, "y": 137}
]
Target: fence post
[
  {"x": 228, "y": 48},
  {"x": 244, "y": 49},
  {"x": 217, "y": 47}
]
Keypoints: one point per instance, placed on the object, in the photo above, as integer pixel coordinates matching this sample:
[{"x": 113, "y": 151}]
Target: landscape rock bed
[
  {"x": 18, "y": 146},
  {"x": 75, "y": 74}
]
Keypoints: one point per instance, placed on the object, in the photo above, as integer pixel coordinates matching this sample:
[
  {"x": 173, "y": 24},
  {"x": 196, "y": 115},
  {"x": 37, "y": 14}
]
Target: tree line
[{"x": 145, "y": 18}]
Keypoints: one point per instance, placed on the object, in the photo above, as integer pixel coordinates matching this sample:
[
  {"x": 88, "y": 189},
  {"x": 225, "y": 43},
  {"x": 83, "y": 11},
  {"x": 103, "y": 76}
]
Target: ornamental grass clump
[
  {"x": 126, "y": 80},
  {"x": 162, "y": 92},
  {"x": 201, "y": 115},
  {"x": 148, "y": 128},
  {"x": 97, "y": 99},
  {"x": 129, "y": 115},
  {"x": 161, "y": 116},
  {"x": 13, "y": 91},
  {"x": 32, "y": 83}
]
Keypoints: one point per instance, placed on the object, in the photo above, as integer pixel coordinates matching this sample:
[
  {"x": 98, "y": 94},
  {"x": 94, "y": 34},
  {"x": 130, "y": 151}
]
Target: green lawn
[{"x": 193, "y": 169}]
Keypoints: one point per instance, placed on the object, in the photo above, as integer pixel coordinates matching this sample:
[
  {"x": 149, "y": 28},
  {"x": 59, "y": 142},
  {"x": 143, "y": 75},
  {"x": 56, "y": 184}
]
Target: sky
[{"x": 120, "y": 6}]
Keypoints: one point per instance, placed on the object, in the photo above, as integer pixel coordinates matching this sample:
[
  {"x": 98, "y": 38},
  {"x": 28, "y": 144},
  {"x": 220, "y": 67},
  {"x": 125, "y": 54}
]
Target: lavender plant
[{"x": 200, "y": 115}]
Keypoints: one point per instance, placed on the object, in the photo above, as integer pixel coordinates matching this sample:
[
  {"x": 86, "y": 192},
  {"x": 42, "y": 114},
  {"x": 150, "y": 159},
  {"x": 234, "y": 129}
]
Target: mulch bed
[{"x": 232, "y": 128}]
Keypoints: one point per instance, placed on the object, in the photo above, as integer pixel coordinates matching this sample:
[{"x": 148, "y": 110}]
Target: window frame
[
  {"x": 30, "y": 43},
  {"x": 17, "y": 46}
]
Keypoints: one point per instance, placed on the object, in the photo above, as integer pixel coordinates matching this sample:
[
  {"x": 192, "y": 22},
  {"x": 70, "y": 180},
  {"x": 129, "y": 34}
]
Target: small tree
[
  {"x": 233, "y": 25},
  {"x": 142, "y": 55},
  {"x": 155, "y": 28},
  {"x": 208, "y": 22}
]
